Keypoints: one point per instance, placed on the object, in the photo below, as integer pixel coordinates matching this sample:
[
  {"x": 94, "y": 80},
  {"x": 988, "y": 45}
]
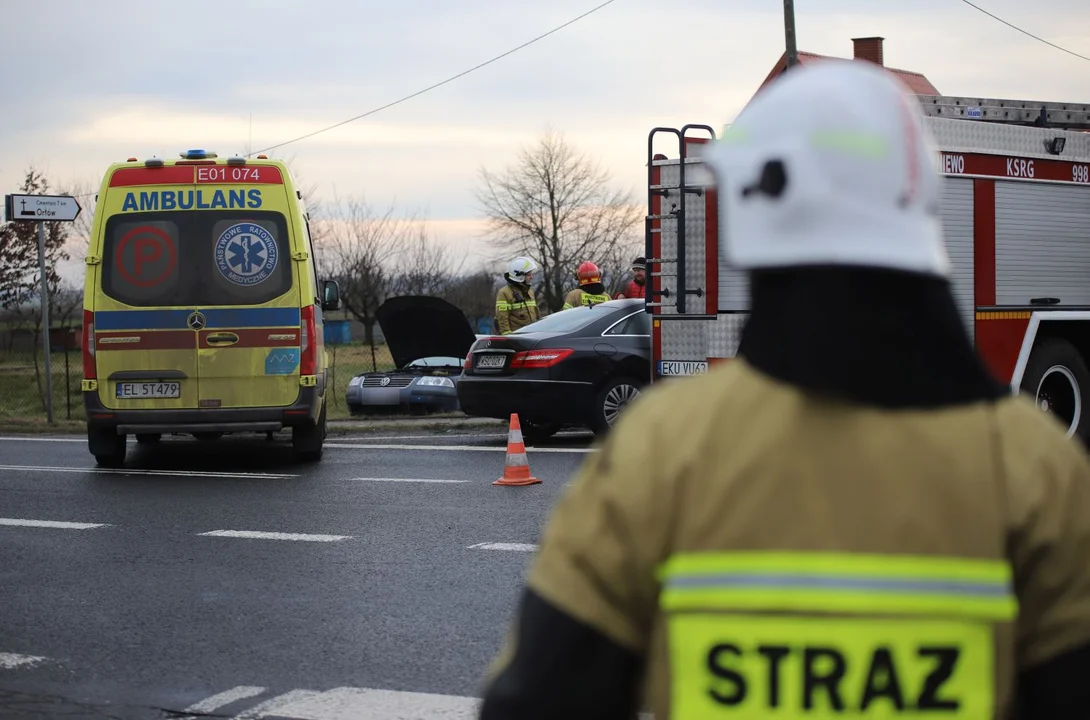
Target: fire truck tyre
[
  {"x": 611, "y": 400},
  {"x": 1057, "y": 380},
  {"x": 148, "y": 438},
  {"x": 107, "y": 446},
  {"x": 307, "y": 440}
]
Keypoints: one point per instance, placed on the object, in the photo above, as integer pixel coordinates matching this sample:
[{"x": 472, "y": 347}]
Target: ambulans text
[{"x": 192, "y": 199}]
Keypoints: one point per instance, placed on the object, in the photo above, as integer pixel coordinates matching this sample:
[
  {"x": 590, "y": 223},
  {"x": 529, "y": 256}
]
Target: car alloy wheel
[{"x": 615, "y": 400}]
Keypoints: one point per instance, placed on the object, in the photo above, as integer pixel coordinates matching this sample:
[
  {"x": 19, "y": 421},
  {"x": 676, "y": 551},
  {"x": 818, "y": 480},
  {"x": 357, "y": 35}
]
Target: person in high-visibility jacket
[
  {"x": 590, "y": 290},
  {"x": 851, "y": 518},
  {"x": 516, "y": 306}
]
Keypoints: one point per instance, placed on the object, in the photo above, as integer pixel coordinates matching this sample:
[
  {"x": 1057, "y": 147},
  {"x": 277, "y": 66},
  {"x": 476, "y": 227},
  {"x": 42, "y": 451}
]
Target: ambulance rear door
[
  {"x": 246, "y": 288},
  {"x": 145, "y": 351}
]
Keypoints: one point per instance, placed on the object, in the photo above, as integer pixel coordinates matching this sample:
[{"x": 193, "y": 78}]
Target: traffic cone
[{"x": 516, "y": 468}]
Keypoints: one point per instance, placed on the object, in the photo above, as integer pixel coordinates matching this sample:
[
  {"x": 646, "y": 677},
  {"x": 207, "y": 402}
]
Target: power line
[
  {"x": 439, "y": 84},
  {"x": 1010, "y": 25}
]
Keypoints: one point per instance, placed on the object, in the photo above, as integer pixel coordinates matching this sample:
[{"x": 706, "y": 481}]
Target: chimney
[{"x": 869, "y": 48}]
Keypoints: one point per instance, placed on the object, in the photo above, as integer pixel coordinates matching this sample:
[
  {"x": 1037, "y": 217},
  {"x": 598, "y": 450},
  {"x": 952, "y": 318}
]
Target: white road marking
[
  {"x": 10, "y": 661},
  {"x": 168, "y": 473},
  {"x": 347, "y": 703},
  {"x": 226, "y": 697},
  {"x": 259, "y": 535},
  {"x": 405, "y": 480},
  {"x": 57, "y": 524},
  {"x": 33, "y": 438},
  {"x": 532, "y": 450},
  {"x": 514, "y": 547}
]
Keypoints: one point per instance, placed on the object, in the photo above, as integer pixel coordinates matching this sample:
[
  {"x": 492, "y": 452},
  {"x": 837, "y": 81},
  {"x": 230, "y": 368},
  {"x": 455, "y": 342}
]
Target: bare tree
[
  {"x": 558, "y": 207},
  {"x": 474, "y": 293},
  {"x": 425, "y": 266},
  {"x": 358, "y": 248}
]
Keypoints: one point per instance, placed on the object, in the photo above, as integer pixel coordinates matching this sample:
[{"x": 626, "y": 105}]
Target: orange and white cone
[{"x": 516, "y": 468}]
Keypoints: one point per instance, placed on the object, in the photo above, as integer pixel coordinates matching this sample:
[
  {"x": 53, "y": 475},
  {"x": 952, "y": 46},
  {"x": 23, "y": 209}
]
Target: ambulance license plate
[
  {"x": 491, "y": 361},
  {"x": 141, "y": 390}
]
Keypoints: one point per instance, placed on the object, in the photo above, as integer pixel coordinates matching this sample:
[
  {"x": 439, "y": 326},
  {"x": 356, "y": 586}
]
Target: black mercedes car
[
  {"x": 575, "y": 367},
  {"x": 428, "y": 338}
]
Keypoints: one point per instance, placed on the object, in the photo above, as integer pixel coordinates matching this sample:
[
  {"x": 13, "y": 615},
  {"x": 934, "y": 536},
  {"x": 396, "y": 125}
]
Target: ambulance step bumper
[{"x": 227, "y": 427}]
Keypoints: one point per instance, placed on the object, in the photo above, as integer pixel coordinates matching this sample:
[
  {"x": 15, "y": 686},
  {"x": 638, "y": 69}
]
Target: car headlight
[
  {"x": 355, "y": 381},
  {"x": 435, "y": 381}
]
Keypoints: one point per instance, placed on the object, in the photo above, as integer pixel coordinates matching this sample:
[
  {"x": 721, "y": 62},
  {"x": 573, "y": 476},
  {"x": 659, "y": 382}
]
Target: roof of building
[{"x": 915, "y": 81}]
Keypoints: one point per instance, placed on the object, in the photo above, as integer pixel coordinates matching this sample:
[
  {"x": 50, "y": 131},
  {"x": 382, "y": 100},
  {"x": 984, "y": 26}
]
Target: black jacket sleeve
[
  {"x": 1058, "y": 689},
  {"x": 562, "y": 668}
]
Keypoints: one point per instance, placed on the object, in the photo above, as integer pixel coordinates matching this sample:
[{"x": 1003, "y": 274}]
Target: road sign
[{"x": 48, "y": 208}]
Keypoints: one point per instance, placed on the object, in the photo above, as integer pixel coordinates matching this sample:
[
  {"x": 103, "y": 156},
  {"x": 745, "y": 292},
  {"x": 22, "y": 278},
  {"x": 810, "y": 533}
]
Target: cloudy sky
[{"x": 89, "y": 83}]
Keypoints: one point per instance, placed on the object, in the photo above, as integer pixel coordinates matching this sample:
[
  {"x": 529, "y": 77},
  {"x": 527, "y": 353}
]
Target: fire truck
[{"x": 1016, "y": 216}]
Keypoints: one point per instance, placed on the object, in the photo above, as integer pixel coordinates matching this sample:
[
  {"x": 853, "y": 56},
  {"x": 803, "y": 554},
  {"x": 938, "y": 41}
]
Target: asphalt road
[{"x": 223, "y": 579}]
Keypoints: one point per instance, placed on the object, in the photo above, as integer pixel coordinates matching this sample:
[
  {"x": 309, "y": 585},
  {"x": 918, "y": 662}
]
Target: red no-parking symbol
[{"x": 146, "y": 256}]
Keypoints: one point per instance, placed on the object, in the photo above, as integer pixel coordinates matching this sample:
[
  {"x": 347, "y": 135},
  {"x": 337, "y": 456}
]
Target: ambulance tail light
[
  {"x": 540, "y": 358},
  {"x": 89, "y": 370},
  {"x": 308, "y": 347}
]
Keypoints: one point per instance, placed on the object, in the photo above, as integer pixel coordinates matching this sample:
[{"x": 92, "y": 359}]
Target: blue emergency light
[{"x": 197, "y": 154}]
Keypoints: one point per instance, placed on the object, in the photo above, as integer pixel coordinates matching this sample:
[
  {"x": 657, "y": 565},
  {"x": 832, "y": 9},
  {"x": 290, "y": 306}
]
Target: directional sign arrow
[{"x": 50, "y": 208}]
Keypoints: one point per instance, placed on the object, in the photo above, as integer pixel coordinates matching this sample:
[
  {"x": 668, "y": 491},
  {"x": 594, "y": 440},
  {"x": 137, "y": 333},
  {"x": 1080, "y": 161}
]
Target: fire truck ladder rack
[
  {"x": 676, "y": 214},
  {"x": 1033, "y": 113}
]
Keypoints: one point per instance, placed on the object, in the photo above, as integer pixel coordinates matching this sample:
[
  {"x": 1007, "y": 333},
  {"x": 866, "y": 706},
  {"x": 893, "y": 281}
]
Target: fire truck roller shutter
[
  {"x": 957, "y": 227},
  {"x": 1042, "y": 242}
]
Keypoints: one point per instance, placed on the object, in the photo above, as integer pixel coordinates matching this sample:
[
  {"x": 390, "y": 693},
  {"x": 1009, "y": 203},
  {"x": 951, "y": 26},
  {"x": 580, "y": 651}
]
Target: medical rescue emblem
[{"x": 246, "y": 254}]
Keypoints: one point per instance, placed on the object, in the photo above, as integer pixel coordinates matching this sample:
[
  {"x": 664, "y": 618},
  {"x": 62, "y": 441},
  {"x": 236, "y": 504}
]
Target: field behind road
[{"x": 22, "y": 380}]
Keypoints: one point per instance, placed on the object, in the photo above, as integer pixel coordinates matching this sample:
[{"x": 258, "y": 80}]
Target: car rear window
[
  {"x": 196, "y": 258},
  {"x": 565, "y": 321}
]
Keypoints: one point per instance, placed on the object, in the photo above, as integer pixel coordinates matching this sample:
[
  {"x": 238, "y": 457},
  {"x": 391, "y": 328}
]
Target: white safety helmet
[
  {"x": 520, "y": 267},
  {"x": 830, "y": 165}
]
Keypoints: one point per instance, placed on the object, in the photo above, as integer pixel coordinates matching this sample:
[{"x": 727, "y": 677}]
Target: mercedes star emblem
[{"x": 196, "y": 321}]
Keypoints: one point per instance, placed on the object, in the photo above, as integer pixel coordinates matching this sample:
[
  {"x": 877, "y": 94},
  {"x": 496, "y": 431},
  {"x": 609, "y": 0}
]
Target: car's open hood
[{"x": 417, "y": 326}]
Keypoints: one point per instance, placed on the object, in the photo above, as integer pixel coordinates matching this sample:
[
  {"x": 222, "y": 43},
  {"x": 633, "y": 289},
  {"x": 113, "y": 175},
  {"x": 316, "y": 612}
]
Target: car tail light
[
  {"x": 308, "y": 350},
  {"x": 540, "y": 358},
  {"x": 468, "y": 361},
  {"x": 90, "y": 372}
]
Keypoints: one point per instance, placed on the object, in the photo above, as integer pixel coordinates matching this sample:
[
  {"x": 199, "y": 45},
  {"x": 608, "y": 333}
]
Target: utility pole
[{"x": 789, "y": 33}]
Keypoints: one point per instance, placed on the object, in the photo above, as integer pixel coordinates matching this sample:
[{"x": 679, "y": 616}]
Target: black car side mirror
[{"x": 331, "y": 295}]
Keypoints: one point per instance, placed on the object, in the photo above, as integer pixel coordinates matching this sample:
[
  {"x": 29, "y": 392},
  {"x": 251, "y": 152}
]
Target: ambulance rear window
[{"x": 196, "y": 258}]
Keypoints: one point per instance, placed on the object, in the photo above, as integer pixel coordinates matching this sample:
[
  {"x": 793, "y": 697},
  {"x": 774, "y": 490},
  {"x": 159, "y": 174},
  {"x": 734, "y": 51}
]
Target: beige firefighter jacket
[
  {"x": 762, "y": 547},
  {"x": 579, "y": 297},
  {"x": 515, "y": 308}
]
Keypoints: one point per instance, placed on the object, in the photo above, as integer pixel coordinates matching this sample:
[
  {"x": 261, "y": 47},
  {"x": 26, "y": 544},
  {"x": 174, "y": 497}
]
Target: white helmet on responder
[
  {"x": 830, "y": 165},
  {"x": 520, "y": 267}
]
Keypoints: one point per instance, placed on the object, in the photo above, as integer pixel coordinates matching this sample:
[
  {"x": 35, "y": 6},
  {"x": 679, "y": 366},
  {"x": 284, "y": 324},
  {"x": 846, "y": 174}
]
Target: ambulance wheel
[
  {"x": 611, "y": 401},
  {"x": 307, "y": 440},
  {"x": 148, "y": 438},
  {"x": 1056, "y": 380},
  {"x": 107, "y": 446}
]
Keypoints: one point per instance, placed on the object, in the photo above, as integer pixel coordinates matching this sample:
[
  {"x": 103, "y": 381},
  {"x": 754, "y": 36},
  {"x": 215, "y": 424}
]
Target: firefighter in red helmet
[{"x": 591, "y": 291}]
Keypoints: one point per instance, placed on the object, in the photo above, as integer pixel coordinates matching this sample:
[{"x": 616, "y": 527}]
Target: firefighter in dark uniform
[
  {"x": 849, "y": 519},
  {"x": 516, "y": 306}
]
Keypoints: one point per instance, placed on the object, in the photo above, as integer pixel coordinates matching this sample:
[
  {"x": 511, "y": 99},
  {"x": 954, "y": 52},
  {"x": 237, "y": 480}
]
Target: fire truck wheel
[
  {"x": 611, "y": 400},
  {"x": 1057, "y": 380}
]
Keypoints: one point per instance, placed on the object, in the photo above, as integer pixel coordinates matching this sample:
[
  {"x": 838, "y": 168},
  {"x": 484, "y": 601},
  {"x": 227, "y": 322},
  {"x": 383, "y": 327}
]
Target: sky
[{"x": 87, "y": 84}]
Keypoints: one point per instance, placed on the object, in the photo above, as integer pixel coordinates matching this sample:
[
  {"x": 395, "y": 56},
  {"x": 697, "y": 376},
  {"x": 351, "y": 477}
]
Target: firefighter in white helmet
[
  {"x": 516, "y": 306},
  {"x": 852, "y": 518}
]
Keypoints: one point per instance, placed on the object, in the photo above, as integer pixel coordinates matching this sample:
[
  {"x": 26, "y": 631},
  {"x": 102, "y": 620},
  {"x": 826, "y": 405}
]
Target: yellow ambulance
[{"x": 203, "y": 306}]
